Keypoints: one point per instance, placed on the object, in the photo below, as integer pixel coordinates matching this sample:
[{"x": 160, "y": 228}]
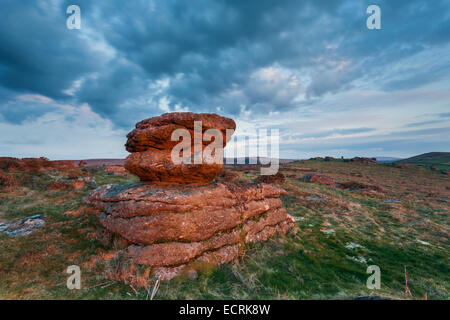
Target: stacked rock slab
[
  {"x": 151, "y": 146},
  {"x": 176, "y": 216}
]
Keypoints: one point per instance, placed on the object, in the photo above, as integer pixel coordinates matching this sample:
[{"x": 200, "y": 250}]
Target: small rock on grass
[{"x": 23, "y": 226}]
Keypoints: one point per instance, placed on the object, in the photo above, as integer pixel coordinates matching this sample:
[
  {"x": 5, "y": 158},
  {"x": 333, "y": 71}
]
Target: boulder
[
  {"x": 364, "y": 160},
  {"x": 318, "y": 179},
  {"x": 178, "y": 225},
  {"x": 184, "y": 214},
  {"x": 175, "y": 217},
  {"x": 151, "y": 145},
  {"x": 157, "y": 166},
  {"x": 145, "y": 199},
  {"x": 176, "y": 253},
  {"x": 22, "y": 227},
  {"x": 117, "y": 170},
  {"x": 156, "y": 132}
]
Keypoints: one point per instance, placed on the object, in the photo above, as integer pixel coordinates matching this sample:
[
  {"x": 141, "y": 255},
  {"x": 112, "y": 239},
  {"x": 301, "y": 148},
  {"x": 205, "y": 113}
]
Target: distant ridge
[
  {"x": 430, "y": 156},
  {"x": 438, "y": 159},
  {"x": 247, "y": 160}
]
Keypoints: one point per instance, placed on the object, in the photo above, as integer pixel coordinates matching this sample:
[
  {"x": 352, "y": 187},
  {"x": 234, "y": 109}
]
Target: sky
[{"x": 310, "y": 69}]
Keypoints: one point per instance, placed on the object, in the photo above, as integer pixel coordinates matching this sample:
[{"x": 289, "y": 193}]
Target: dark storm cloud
[
  {"x": 210, "y": 52},
  {"x": 105, "y": 91},
  {"x": 37, "y": 53}
]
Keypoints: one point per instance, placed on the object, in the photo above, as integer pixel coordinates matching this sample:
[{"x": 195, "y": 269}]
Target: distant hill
[{"x": 438, "y": 159}]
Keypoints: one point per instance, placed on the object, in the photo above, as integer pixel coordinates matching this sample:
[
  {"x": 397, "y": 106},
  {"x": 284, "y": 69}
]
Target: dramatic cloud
[{"x": 310, "y": 68}]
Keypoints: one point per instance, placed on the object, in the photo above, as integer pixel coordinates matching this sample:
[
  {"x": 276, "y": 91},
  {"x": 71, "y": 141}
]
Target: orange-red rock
[
  {"x": 177, "y": 225},
  {"x": 156, "y": 132},
  {"x": 151, "y": 146},
  {"x": 175, "y": 253},
  {"x": 225, "y": 254},
  {"x": 363, "y": 160},
  {"x": 319, "y": 179},
  {"x": 189, "y": 226},
  {"x": 185, "y": 214},
  {"x": 157, "y": 166},
  {"x": 34, "y": 165},
  {"x": 144, "y": 199},
  {"x": 173, "y": 218},
  {"x": 117, "y": 170}
]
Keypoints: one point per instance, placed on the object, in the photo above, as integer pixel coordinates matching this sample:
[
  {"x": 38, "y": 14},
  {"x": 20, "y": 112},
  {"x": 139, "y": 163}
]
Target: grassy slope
[
  {"x": 438, "y": 159},
  {"x": 338, "y": 237}
]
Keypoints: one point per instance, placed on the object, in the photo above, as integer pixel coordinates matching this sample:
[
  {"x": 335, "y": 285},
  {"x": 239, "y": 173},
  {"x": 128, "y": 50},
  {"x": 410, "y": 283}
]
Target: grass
[{"x": 338, "y": 237}]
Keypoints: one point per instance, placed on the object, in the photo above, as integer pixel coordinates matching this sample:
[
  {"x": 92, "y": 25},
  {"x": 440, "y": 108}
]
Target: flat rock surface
[
  {"x": 144, "y": 199},
  {"x": 23, "y": 226},
  {"x": 145, "y": 214}
]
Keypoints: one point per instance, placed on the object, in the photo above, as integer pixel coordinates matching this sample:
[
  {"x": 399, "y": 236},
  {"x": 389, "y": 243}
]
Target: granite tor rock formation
[{"x": 176, "y": 215}]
